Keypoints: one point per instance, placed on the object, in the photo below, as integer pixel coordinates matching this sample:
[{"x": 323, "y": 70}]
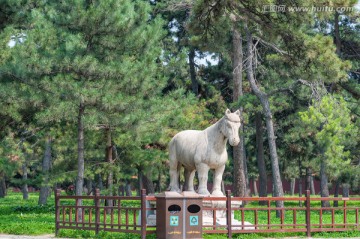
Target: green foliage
[
  {"x": 8, "y": 155},
  {"x": 35, "y": 209},
  {"x": 21, "y": 217},
  {"x": 330, "y": 125},
  {"x": 105, "y": 54}
]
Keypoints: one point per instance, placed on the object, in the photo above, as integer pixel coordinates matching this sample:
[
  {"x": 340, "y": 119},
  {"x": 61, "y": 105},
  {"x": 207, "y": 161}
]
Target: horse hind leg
[
  {"x": 174, "y": 172},
  {"x": 189, "y": 180}
]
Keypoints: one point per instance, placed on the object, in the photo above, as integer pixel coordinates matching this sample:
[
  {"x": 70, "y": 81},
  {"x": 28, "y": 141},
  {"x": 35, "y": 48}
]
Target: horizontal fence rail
[
  {"x": 92, "y": 213},
  {"x": 242, "y": 214}
]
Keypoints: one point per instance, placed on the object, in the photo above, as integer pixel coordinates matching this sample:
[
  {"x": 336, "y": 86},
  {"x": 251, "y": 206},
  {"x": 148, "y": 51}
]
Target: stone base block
[
  {"x": 234, "y": 222},
  {"x": 151, "y": 220}
]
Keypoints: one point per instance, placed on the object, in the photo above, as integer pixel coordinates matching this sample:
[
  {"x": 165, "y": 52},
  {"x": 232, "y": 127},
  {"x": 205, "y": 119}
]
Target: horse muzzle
[{"x": 234, "y": 142}]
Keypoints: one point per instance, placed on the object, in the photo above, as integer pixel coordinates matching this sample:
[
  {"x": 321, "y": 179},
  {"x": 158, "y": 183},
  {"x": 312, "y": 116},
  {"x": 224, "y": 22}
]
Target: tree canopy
[{"x": 91, "y": 92}]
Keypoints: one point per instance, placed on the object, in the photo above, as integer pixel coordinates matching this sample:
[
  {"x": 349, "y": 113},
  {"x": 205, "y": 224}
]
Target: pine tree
[
  {"x": 87, "y": 59},
  {"x": 329, "y": 122}
]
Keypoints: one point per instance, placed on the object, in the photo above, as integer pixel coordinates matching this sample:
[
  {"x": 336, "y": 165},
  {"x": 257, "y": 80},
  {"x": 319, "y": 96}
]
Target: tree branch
[{"x": 272, "y": 46}]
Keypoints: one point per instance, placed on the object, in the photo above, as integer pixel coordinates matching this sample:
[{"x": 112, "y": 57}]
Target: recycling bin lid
[
  {"x": 169, "y": 194},
  {"x": 184, "y": 194},
  {"x": 191, "y": 194}
]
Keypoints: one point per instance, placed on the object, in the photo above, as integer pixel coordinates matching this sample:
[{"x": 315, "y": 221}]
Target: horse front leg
[
  {"x": 217, "y": 181},
  {"x": 203, "y": 170}
]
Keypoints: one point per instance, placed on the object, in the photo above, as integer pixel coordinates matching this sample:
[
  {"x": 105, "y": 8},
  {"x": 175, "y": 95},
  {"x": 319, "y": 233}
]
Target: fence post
[
  {"x": 143, "y": 213},
  {"x": 344, "y": 200},
  {"x": 57, "y": 211},
  {"x": 97, "y": 211},
  {"x": 308, "y": 223},
  {"x": 228, "y": 213}
]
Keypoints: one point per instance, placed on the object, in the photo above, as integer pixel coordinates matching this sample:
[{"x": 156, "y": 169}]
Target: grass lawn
[
  {"x": 25, "y": 217},
  {"x": 300, "y": 215}
]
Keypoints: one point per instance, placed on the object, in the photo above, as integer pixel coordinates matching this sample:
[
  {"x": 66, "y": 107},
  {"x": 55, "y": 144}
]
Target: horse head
[{"x": 230, "y": 127}]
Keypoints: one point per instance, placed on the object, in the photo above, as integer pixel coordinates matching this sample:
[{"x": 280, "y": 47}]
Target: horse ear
[
  {"x": 237, "y": 112},
  {"x": 227, "y": 111}
]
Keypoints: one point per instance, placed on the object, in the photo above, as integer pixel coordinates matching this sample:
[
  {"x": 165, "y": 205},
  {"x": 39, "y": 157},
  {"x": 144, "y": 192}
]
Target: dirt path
[
  {"x": 50, "y": 236},
  {"x": 6, "y": 236}
]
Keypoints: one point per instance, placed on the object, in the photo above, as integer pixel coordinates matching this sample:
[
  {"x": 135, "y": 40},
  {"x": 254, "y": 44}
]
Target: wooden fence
[{"x": 129, "y": 214}]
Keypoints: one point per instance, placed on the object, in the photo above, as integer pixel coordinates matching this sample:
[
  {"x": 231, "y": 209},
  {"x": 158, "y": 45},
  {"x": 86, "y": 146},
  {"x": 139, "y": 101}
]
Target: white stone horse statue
[{"x": 200, "y": 151}]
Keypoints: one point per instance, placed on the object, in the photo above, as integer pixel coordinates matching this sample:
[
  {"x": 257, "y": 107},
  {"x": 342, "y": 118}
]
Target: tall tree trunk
[
  {"x": 260, "y": 158},
  {"x": 300, "y": 181},
  {"x": 264, "y": 99},
  {"x": 24, "y": 187},
  {"x": 310, "y": 179},
  {"x": 99, "y": 182},
  {"x": 255, "y": 187},
  {"x": 147, "y": 183},
  {"x": 110, "y": 161},
  {"x": 300, "y": 189},
  {"x": 128, "y": 188},
  {"x": 194, "y": 82},
  {"x": 312, "y": 186},
  {"x": 346, "y": 190},
  {"x": 337, "y": 42},
  {"x": 292, "y": 186},
  {"x": 25, "y": 190},
  {"x": 324, "y": 189},
  {"x": 2, "y": 185},
  {"x": 81, "y": 163},
  {"x": 140, "y": 181},
  {"x": 337, "y": 33},
  {"x": 121, "y": 191},
  {"x": 159, "y": 179},
  {"x": 45, "y": 188},
  {"x": 307, "y": 179},
  {"x": 336, "y": 193},
  {"x": 247, "y": 179},
  {"x": 89, "y": 186},
  {"x": 115, "y": 157},
  {"x": 345, "y": 186},
  {"x": 239, "y": 150}
]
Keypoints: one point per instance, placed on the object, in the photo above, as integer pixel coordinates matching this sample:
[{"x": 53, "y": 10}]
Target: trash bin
[
  {"x": 193, "y": 215},
  {"x": 178, "y": 216},
  {"x": 169, "y": 215}
]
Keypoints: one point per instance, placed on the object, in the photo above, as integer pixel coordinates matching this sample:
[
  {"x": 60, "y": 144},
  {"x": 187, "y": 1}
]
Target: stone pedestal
[
  {"x": 218, "y": 204},
  {"x": 207, "y": 215},
  {"x": 221, "y": 220}
]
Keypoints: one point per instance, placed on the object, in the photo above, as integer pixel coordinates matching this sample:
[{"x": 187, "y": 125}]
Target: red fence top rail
[
  {"x": 268, "y": 198},
  {"x": 100, "y": 197},
  {"x": 334, "y": 199},
  {"x": 153, "y": 198}
]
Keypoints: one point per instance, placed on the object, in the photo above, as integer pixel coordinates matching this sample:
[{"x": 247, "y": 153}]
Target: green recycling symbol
[
  {"x": 174, "y": 221},
  {"x": 194, "y": 220}
]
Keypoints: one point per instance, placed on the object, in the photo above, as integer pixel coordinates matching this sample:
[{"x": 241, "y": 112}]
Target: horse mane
[{"x": 232, "y": 118}]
